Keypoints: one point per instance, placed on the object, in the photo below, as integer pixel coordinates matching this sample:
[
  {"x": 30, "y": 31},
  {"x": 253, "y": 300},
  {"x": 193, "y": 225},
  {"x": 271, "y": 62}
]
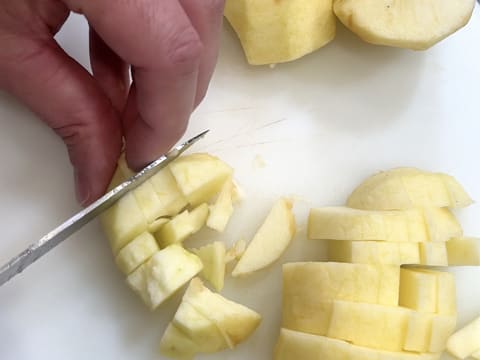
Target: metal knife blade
[{"x": 17, "y": 264}]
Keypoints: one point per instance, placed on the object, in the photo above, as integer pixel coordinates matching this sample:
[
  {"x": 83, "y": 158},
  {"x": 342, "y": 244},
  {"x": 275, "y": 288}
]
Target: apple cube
[
  {"x": 122, "y": 222},
  {"x": 163, "y": 274},
  {"x": 213, "y": 260},
  {"x": 406, "y": 188},
  {"x": 236, "y": 322},
  {"x": 419, "y": 332},
  {"x": 221, "y": 211},
  {"x": 293, "y": 345},
  {"x": 136, "y": 252},
  {"x": 374, "y": 252},
  {"x": 343, "y": 223},
  {"x": 446, "y": 292},
  {"x": 443, "y": 327},
  {"x": 177, "y": 345},
  {"x": 441, "y": 224},
  {"x": 270, "y": 241},
  {"x": 309, "y": 289},
  {"x": 433, "y": 254},
  {"x": 465, "y": 341},
  {"x": 200, "y": 176},
  {"x": 371, "y": 325},
  {"x": 168, "y": 193},
  {"x": 157, "y": 224},
  {"x": 418, "y": 290},
  {"x": 463, "y": 251}
]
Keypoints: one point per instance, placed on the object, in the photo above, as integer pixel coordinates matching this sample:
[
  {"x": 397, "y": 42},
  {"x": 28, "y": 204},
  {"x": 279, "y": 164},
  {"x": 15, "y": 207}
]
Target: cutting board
[{"x": 311, "y": 129}]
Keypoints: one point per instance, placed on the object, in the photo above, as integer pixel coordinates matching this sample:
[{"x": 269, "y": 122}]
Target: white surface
[{"x": 320, "y": 124}]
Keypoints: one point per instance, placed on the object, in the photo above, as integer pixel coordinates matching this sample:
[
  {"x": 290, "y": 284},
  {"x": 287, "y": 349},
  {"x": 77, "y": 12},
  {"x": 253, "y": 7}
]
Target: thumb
[{"x": 68, "y": 99}]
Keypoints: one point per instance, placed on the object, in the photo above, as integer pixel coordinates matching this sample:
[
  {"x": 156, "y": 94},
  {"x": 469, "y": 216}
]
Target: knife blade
[{"x": 20, "y": 262}]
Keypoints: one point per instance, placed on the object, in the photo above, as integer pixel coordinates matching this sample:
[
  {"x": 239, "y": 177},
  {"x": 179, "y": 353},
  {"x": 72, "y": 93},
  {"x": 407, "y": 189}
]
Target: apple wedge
[
  {"x": 465, "y": 341},
  {"x": 278, "y": 31},
  {"x": 213, "y": 260},
  {"x": 161, "y": 276},
  {"x": 463, "y": 251},
  {"x": 270, "y": 241},
  {"x": 136, "y": 252},
  {"x": 200, "y": 176},
  {"x": 410, "y": 24},
  {"x": 221, "y": 211},
  {"x": 406, "y": 188}
]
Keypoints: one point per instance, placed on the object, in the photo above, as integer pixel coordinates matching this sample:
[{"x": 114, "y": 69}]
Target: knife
[{"x": 17, "y": 264}]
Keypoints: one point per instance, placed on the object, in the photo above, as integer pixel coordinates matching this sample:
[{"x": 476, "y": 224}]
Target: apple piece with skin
[
  {"x": 433, "y": 254},
  {"x": 309, "y": 289},
  {"x": 418, "y": 290},
  {"x": 463, "y": 251},
  {"x": 200, "y": 176},
  {"x": 270, "y": 241},
  {"x": 136, "y": 252},
  {"x": 294, "y": 345},
  {"x": 406, "y": 188},
  {"x": 466, "y": 341},
  {"x": 279, "y": 31},
  {"x": 163, "y": 274},
  {"x": 371, "y": 325},
  {"x": 221, "y": 211},
  {"x": 213, "y": 259},
  {"x": 236, "y": 322},
  {"x": 405, "y": 24},
  {"x": 374, "y": 252},
  {"x": 176, "y": 345}
]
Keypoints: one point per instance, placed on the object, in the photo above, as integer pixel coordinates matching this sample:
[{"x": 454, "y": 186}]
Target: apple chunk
[
  {"x": 270, "y": 241},
  {"x": 418, "y": 290},
  {"x": 463, "y": 251},
  {"x": 136, "y": 252},
  {"x": 213, "y": 259},
  {"x": 221, "y": 211},
  {"x": 465, "y": 341},
  {"x": 161, "y": 276}
]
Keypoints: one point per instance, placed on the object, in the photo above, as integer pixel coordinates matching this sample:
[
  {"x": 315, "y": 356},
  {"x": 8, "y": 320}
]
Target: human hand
[{"x": 171, "y": 47}]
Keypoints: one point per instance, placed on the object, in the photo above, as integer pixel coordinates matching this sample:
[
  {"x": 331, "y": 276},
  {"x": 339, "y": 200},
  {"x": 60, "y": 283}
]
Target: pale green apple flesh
[
  {"x": 213, "y": 259},
  {"x": 136, "y": 252},
  {"x": 465, "y": 341},
  {"x": 221, "y": 211}
]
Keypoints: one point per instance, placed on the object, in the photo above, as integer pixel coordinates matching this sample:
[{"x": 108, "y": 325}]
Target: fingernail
[{"x": 82, "y": 189}]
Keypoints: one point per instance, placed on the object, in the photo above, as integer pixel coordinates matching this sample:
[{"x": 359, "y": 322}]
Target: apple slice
[
  {"x": 374, "y": 252},
  {"x": 161, "y": 276},
  {"x": 136, "y": 252},
  {"x": 293, "y": 345},
  {"x": 270, "y": 241},
  {"x": 463, "y": 251},
  {"x": 465, "y": 341},
  {"x": 200, "y": 176},
  {"x": 371, "y": 325},
  {"x": 407, "y": 23},
  {"x": 406, "y": 188},
  {"x": 236, "y": 251},
  {"x": 433, "y": 254},
  {"x": 418, "y": 290},
  {"x": 309, "y": 289},
  {"x": 221, "y": 211},
  {"x": 236, "y": 322},
  {"x": 182, "y": 226},
  {"x": 278, "y": 31},
  {"x": 213, "y": 259}
]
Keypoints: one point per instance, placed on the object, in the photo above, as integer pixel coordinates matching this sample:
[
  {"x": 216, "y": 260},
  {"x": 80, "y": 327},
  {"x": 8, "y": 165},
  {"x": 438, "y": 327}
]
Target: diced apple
[
  {"x": 343, "y": 223},
  {"x": 433, "y": 254},
  {"x": 200, "y": 176},
  {"x": 182, "y": 226},
  {"x": 465, "y": 341},
  {"x": 371, "y": 325},
  {"x": 123, "y": 222},
  {"x": 293, "y": 345},
  {"x": 418, "y": 290},
  {"x": 463, "y": 251},
  {"x": 136, "y": 252},
  {"x": 309, "y": 289},
  {"x": 176, "y": 345},
  {"x": 157, "y": 224},
  {"x": 419, "y": 332},
  {"x": 270, "y": 241},
  {"x": 161, "y": 276},
  {"x": 443, "y": 327},
  {"x": 221, "y": 211},
  {"x": 406, "y": 188},
  {"x": 441, "y": 224},
  {"x": 446, "y": 292},
  {"x": 236, "y": 322},
  {"x": 213, "y": 259},
  {"x": 169, "y": 195},
  {"x": 374, "y": 252},
  {"x": 278, "y": 31}
]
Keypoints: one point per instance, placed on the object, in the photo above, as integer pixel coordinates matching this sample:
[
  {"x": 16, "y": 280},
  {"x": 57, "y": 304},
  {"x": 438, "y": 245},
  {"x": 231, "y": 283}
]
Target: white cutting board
[{"x": 313, "y": 128}]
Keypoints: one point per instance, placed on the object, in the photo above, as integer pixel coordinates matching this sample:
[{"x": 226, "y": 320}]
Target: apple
[
  {"x": 270, "y": 241},
  {"x": 419, "y": 332},
  {"x": 200, "y": 176},
  {"x": 272, "y": 31},
  {"x": 433, "y": 254},
  {"x": 463, "y": 251},
  {"x": 418, "y": 290},
  {"x": 221, "y": 211},
  {"x": 177, "y": 345},
  {"x": 407, "y": 23},
  {"x": 465, "y": 341},
  {"x": 163, "y": 274},
  {"x": 157, "y": 224},
  {"x": 213, "y": 260},
  {"x": 446, "y": 291},
  {"x": 136, "y": 252},
  {"x": 406, "y": 188},
  {"x": 441, "y": 224}
]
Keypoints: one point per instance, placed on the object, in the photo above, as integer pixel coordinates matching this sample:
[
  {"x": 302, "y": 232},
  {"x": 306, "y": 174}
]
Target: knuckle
[
  {"x": 184, "y": 47},
  {"x": 214, "y": 7}
]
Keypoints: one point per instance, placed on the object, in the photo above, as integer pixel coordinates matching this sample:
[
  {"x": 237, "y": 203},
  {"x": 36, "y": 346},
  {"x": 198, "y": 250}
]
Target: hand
[{"x": 171, "y": 47}]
